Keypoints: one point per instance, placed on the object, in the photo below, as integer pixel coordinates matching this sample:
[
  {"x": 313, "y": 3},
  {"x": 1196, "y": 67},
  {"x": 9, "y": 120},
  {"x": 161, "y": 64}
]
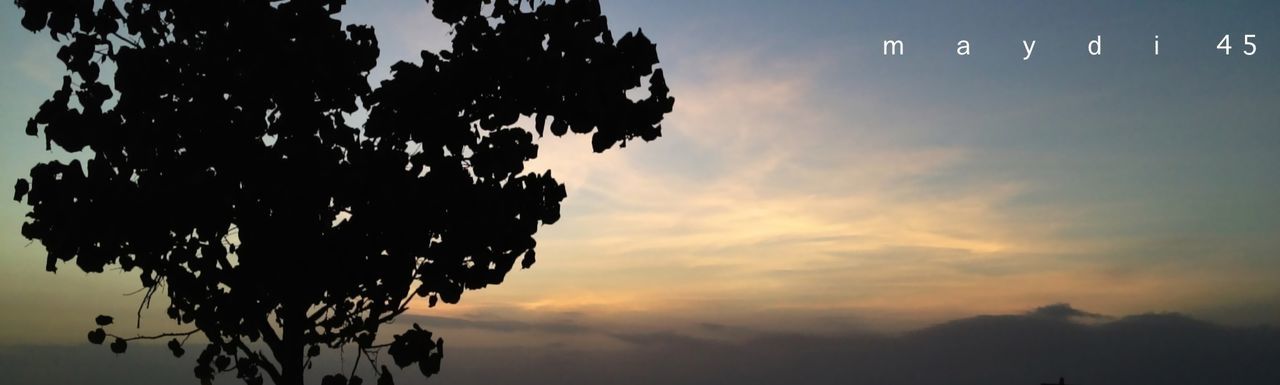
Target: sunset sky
[{"x": 805, "y": 183}]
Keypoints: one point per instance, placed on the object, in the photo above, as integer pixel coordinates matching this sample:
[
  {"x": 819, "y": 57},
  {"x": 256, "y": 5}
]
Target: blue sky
[{"x": 807, "y": 183}]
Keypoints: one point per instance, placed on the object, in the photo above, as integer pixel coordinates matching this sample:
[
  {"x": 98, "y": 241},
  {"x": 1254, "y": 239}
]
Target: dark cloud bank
[{"x": 1031, "y": 348}]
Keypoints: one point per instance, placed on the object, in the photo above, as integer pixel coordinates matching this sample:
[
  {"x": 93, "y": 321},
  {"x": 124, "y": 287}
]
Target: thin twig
[
  {"x": 354, "y": 366},
  {"x": 126, "y": 40},
  {"x": 155, "y": 337},
  {"x": 146, "y": 302},
  {"x": 372, "y": 363}
]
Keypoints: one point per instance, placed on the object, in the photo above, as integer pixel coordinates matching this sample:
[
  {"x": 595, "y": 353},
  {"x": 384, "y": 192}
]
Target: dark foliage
[{"x": 222, "y": 169}]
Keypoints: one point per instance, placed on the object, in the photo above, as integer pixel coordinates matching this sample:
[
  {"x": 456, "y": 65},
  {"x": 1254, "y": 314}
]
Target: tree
[{"x": 221, "y": 166}]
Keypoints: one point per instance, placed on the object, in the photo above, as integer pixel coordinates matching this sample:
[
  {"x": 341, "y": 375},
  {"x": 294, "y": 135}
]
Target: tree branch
[
  {"x": 315, "y": 317},
  {"x": 269, "y": 335},
  {"x": 373, "y": 364},
  {"x": 404, "y": 306},
  {"x": 126, "y": 40},
  {"x": 357, "y": 364},
  {"x": 155, "y": 337},
  {"x": 260, "y": 360},
  {"x": 146, "y": 302},
  {"x": 379, "y": 346}
]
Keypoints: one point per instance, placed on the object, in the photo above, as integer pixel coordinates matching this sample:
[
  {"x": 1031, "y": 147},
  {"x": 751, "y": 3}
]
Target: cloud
[
  {"x": 495, "y": 325},
  {"x": 756, "y": 174},
  {"x": 764, "y": 198}
]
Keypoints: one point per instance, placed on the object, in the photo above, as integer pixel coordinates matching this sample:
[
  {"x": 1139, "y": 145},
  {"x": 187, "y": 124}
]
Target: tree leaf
[
  {"x": 385, "y": 378},
  {"x": 119, "y": 346},
  {"x": 97, "y": 336},
  {"x": 176, "y": 348},
  {"x": 334, "y": 379},
  {"x": 20, "y": 189}
]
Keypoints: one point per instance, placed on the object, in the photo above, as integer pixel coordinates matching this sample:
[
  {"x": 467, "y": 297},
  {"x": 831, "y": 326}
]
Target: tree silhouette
[{"x": 221, "y": 165}]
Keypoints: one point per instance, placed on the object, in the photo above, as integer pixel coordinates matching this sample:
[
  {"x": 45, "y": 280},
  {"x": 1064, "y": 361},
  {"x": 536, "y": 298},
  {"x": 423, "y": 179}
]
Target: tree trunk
[{"x": 291, "y": 370}]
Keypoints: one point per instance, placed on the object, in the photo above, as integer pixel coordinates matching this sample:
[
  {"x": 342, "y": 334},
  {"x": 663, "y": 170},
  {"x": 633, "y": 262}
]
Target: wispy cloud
[
  {"x": 743, "y": 186},
  {"x": 762, "y": 204}
]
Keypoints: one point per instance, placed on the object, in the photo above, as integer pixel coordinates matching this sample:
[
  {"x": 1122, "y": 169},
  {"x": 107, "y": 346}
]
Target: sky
[{"x": 809, "y": 189}]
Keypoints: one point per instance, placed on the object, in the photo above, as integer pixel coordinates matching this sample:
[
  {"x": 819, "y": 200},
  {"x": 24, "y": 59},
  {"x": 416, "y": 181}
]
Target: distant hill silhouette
[{"x": 1022, "y": 349}]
